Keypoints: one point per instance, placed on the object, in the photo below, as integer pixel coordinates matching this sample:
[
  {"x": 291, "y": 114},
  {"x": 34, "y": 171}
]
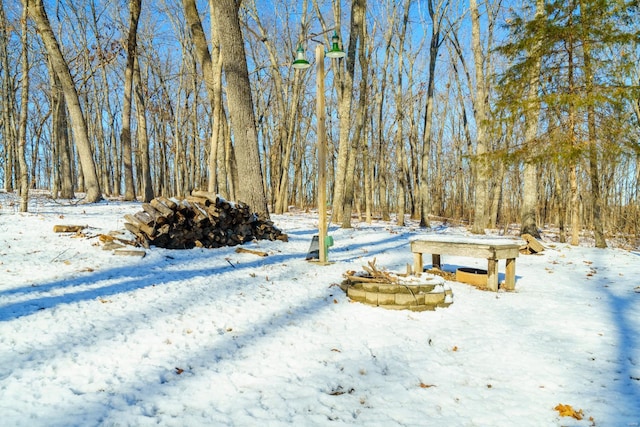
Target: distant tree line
[{"x": 489, "y": 114}]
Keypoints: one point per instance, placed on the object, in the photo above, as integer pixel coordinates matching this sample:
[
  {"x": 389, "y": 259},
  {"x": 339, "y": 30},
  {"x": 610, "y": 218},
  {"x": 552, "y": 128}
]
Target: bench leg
[
  {"x": 510, "y": 279},
  {"x": 492, "y": 275},
  {"x": 417, "y": 263}
]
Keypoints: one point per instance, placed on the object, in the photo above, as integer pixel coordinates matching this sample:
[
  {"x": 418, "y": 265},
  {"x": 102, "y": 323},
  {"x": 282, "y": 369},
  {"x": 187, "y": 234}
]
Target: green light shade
[
  {"x": 301, "y": 62},
  {"x": 335, "y": 51}
]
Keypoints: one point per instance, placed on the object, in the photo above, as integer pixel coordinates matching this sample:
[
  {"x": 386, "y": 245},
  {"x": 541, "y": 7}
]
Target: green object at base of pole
[{"x": 328, "y": 241}]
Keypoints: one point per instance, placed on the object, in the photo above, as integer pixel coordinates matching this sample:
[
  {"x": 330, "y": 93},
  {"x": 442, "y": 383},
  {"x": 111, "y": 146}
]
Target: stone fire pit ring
[{"x": 415, "y": 293}]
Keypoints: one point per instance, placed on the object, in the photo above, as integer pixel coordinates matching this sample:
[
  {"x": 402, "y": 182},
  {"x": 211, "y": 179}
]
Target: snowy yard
[{"x": 208, "y": 337}]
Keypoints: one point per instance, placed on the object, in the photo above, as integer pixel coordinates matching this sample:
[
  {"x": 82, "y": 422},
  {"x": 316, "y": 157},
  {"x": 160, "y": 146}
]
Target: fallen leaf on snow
[
  {"x": 568, "y": 411},
  {"x": 423, "y": 385}
]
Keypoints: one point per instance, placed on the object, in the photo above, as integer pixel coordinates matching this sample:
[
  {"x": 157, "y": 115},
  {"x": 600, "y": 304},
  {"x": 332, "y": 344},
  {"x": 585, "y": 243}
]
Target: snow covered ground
[{"x": 211, "y": 337}]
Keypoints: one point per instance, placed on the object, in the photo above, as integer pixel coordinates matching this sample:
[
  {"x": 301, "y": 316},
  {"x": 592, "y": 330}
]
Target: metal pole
[{"x": 322, "y": 155}]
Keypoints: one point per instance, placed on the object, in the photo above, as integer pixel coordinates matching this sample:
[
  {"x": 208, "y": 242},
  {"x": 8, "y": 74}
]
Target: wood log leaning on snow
[
  {"x": 201, "y": 220},
  {"x": 533, "y": 246},
  {"x": 61, "y": 228}
]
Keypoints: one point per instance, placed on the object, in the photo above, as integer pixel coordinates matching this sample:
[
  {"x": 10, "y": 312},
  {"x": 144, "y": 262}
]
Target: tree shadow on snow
[
  {"x": 165, "y": 271},
  {"x": 623, "y": 306},
  {"x": 125, "y": 279},
  {"x": 117, "y": 404}
]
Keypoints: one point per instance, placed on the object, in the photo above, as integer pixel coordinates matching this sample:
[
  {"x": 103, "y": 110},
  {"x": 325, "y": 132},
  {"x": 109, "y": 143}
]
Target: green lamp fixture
[
  {"x": 335, "y": 51},
  {"x": 301, "y": 62}
]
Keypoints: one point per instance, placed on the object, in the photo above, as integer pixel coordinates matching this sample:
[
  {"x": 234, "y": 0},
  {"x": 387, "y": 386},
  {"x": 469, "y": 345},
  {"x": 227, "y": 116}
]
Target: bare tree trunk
[
  {"x": 575, "y": 205},
  {"x": 282, "y": 196},
  {"x": 530, "y": 174},
  {"x": 125, "y": 134},
  {"x": 108, "y": 150},
  {"x": 142, "y": 135},
  {"x": 358, "y": 32},
  {"x": 36, "y": 171},
  {"x": 60, "y": 134},
  {"x": 573, "y": 174},
  {"x": 24, "y": 112},
  {"x": 368, "y": 180},
  {"x": 287, "y": 111},
  {"x": 496, "y": 193},
  {"x": 380, "y": 173},
  {"x": 9, "y": 137},
  {"x": 39, "y": 15},
  {"x": 464, "y": 203},
  {"x": 401, "y": 153},
  {"x": 438, "y": 182},
  {"x": 211, "y": 63},
  {"x": 200, "y": 44},
  {"x": 482, "y": 166},
  {"x": 230, "y": 163},
  {"x": 594, "y": 175},
  {"x": 234, "y": 61},
  {"x": 414, "y": 154},
  {"x": 225, "y": 181},
  {"x": 217, "y": 145},
  {"x": 437, "y": 13},
  {"x": 343, "y": 81},
  {"x": 561, "y": 205}
]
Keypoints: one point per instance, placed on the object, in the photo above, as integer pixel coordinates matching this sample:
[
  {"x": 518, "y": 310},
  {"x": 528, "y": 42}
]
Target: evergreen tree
[{"x": 563, "y": 59}]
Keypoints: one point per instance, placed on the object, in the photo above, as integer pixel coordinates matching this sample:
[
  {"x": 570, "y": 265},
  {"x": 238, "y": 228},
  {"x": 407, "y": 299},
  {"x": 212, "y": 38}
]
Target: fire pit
[{"x": 389, "y": 290}]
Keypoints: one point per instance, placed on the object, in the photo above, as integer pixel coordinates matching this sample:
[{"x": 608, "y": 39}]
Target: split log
[
  {"x": 157, "y": 215},
  {"x": 213, "y": 198},
  {"x": 161, "y": 207},
  {"x": 251, "y": 251},
  {"x": 533, "y": 246},
  {"x": 129, "y": 252},
  {"x": 110, "y": 246},
  {"x": 168, "y": 203},
  {"x": 199, "y": 200},
  {"x": 68, "y": 228},
  {"x": 140, "y": 225},
  {"x": 107, "y": 238}
]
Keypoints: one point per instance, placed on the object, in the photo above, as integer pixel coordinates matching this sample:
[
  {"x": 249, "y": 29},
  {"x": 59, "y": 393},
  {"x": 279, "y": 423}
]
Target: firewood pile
[{"x": 201, "y": 220}]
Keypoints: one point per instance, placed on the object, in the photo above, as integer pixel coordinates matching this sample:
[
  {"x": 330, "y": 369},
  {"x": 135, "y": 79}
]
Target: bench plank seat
[{"x": 492, "y": 249}]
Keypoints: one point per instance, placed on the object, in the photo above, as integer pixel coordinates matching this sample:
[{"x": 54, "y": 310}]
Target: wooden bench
[{"x": 492, "y": 249}]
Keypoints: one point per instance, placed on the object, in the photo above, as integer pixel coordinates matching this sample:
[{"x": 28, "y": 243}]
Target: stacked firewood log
[{"x": 202, "y": 219}]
